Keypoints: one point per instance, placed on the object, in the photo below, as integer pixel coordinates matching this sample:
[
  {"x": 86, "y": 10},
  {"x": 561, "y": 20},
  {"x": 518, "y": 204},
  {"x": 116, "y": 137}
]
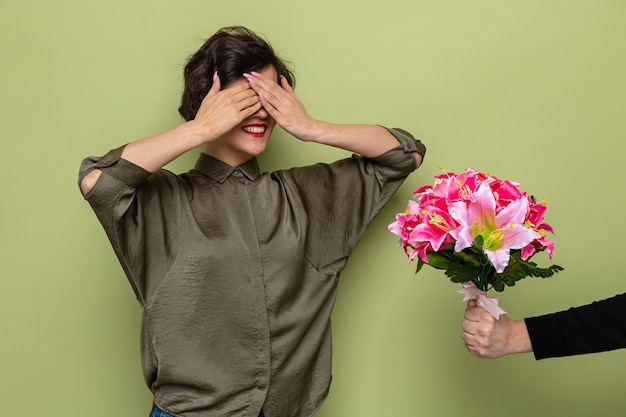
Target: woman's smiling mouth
[{"x": 255, "y": 130}]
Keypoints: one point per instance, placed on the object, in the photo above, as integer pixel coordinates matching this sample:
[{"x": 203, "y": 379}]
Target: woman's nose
[{"x": 261, "y": 113}]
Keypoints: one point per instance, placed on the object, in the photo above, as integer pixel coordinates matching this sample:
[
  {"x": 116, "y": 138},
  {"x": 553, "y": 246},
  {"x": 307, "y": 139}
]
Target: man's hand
[{"x": 486, "y": 337}]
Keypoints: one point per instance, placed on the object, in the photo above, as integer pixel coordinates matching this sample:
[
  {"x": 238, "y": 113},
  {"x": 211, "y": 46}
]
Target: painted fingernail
[
  {"x": 215, "y": 76},
  {"x": 249, "y": 78},
  {"x": 256, "y": 74}
]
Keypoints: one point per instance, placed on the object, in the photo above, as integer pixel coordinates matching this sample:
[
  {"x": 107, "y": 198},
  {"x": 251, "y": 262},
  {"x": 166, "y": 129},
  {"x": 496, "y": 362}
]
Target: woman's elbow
[
  {"x": 418, "y": 159},
  {"x": 89, "y": 181}
]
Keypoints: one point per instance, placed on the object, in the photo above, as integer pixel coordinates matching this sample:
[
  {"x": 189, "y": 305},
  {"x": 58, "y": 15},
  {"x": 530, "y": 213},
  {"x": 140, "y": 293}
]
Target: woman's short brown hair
[{"x": 231, "y": 51}]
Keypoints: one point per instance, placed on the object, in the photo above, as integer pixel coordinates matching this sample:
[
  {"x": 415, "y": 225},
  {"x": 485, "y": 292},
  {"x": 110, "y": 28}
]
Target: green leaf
[
  {"x": 441, "y": 260},
  {"x": 463, "y": 272},
  {"x": 518, "y": 269},
  {"x": 473, "y": 265},
  {"x": 420, "y": 263},
  {"x": 471, "y": 257}
]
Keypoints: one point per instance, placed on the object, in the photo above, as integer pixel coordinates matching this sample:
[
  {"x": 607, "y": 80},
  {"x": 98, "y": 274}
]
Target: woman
[{"x": 236, "y": 271}]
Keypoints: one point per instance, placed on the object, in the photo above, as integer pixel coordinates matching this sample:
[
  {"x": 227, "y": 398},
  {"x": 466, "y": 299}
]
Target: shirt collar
[{"x": 220, "y": 171}]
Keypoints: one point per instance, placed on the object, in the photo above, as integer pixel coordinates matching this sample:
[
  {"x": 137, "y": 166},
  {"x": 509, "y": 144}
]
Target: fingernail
[
  {"x": 249, "y": 78},
  {"x": 215, "y": 76},
  {"x": 256, "y": 74},
  {"x": 261, "y": 97}
]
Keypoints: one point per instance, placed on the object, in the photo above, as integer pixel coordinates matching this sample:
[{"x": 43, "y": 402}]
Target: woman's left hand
[{"x": 283, "y": 105}]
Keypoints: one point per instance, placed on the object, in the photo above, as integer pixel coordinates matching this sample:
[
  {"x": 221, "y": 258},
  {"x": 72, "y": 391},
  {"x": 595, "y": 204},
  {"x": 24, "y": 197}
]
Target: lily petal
[{"x": 499, "y": 258}]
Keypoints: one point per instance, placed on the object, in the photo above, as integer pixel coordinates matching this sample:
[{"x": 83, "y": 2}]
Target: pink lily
[
  {"x": 433, "y": 232},
  {"x": 500, "y": 231}
]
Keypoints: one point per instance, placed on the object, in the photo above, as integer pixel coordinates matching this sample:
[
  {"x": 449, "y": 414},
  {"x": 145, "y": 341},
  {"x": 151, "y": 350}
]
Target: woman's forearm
[
  {"x": 367, "y": 140},
  {"x": 154, "y": 152},
  {"x": 221, "y": 110}
]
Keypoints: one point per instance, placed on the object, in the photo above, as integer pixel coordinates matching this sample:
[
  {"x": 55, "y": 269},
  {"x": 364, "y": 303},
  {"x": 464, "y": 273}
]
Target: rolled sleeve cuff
[
  {"x": 114, "y": 166},
  {"x": 403, "y": 152}
]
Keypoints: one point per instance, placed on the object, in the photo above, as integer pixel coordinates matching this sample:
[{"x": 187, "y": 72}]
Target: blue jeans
[{"x": 156, "y": 412}]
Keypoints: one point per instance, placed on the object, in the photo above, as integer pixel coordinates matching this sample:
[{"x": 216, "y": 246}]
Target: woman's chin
[{"x": 258, "y": 148}]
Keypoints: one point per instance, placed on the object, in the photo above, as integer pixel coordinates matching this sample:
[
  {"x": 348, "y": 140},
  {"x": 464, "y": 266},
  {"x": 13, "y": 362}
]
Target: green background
[{"x": 533, "y": 91}]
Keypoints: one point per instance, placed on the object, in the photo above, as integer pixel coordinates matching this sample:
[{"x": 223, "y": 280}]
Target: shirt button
[{"x": 237, "y": 173}]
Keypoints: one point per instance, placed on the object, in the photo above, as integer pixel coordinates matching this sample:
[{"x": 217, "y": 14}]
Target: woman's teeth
[{"x": 254, "y": 129}]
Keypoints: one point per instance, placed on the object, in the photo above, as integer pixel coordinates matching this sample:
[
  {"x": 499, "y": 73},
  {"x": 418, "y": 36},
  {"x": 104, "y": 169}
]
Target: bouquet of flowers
[{"x": 482, "y": 231}]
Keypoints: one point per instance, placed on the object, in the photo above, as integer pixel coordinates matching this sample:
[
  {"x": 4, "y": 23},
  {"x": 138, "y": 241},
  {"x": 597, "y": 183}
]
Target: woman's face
[{"x": 250, "y": 137}]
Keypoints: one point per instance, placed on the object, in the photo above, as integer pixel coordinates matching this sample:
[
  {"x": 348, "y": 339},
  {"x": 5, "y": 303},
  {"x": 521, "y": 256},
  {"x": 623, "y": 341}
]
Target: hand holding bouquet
[{"x": 481, "y": 230}]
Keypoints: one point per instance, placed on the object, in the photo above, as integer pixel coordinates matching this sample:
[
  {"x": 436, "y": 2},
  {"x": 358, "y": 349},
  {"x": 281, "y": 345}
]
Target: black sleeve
[{"x": 596, "y": 327}]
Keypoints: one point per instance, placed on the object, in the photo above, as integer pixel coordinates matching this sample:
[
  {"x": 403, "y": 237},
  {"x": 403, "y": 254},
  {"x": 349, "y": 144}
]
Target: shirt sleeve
[
  {"x": 140, "y": 213},
  {"x": 596, "y": 327},
  {"x": 342, "y": 198}
]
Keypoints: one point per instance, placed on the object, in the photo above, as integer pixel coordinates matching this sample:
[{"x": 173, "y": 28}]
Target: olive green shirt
[{"x": 236, "y": 272}]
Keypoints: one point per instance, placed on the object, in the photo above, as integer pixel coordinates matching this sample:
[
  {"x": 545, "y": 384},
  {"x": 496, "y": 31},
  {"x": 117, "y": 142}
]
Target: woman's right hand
[
  {"x": 222, "y": 110},
  {"x": 219, "y": 112}
]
